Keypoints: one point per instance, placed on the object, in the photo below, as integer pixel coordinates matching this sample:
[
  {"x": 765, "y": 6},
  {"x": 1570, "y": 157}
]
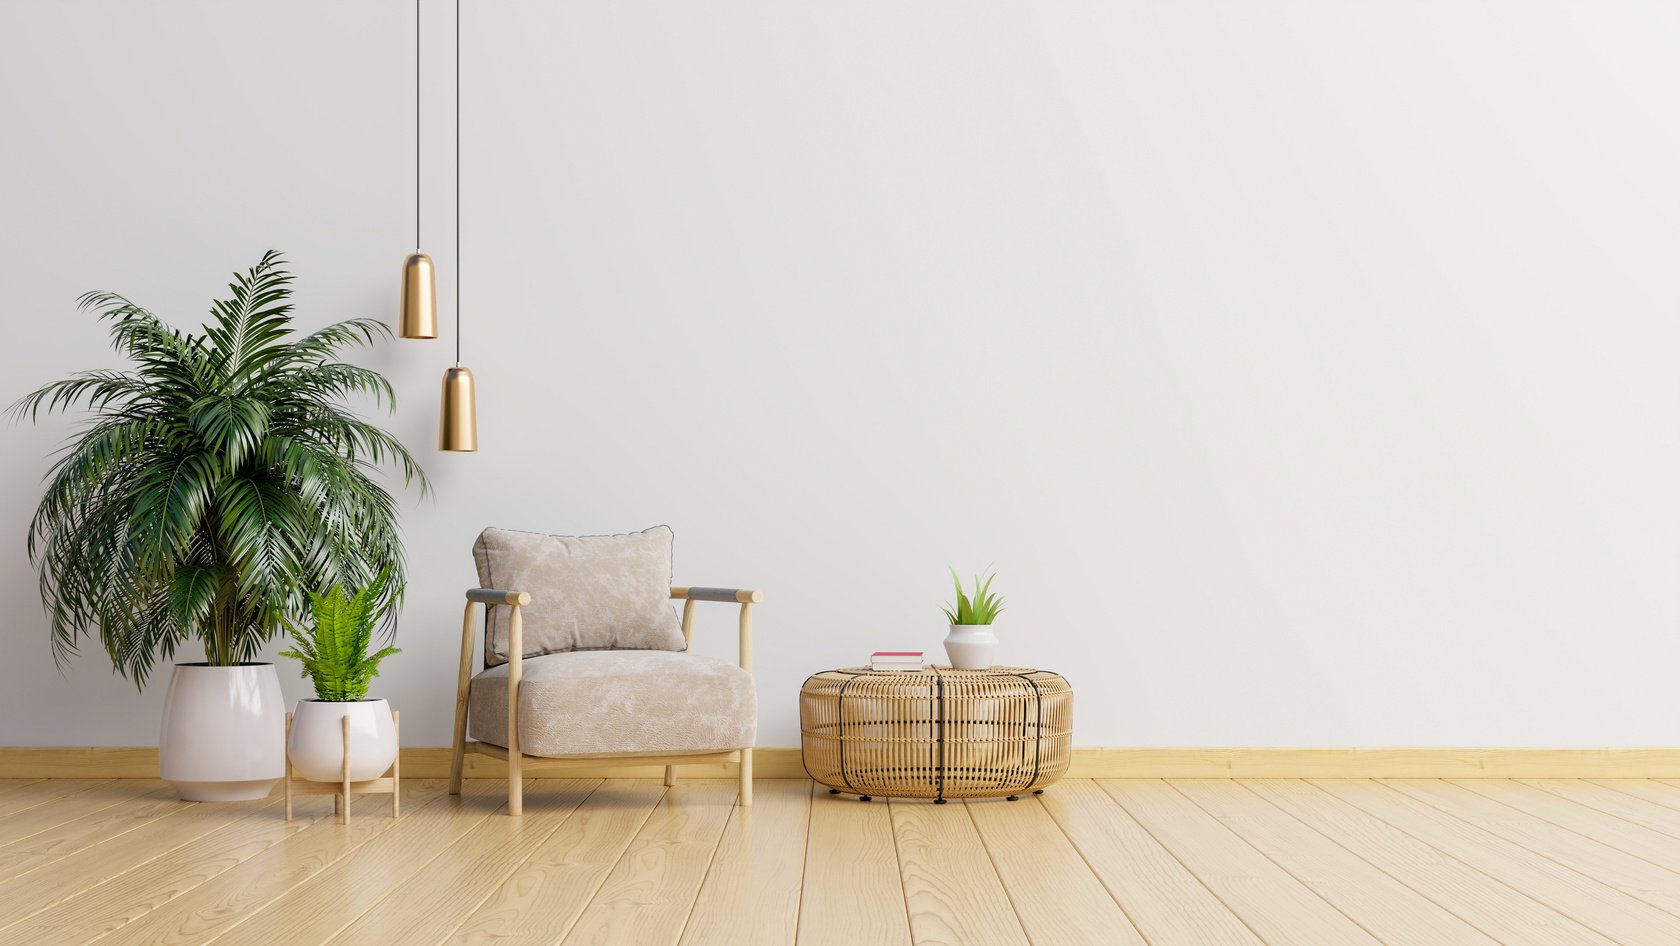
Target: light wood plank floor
[{"x": 1176, "y": 862}]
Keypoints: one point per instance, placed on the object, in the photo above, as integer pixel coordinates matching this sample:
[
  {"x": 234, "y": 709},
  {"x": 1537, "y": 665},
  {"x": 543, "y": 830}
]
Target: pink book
[{"x": 896, "y": 660}]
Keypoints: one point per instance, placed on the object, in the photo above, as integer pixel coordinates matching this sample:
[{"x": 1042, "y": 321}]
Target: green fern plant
[
  {"x": 334, "y": 652},
  {"x": 982, "y": 607}
]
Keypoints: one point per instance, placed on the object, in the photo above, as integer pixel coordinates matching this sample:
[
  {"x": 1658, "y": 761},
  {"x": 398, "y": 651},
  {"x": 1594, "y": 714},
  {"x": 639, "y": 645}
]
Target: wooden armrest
[
  {"x": 734, "y": 595},
  {"x": 745, "y": 597},
  {"x": 496, "y": 596}
]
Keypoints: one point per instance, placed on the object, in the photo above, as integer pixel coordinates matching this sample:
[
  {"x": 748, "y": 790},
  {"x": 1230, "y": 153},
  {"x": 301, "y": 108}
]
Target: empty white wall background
[{"x": 1306, "y": 369}]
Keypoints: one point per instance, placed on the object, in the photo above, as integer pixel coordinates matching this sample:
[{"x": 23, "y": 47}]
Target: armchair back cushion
[{"x": 590, "y": 592}]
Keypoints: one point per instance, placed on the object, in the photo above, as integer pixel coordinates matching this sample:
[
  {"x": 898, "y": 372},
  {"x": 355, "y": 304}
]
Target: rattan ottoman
[{"x": 936, "y": 733}]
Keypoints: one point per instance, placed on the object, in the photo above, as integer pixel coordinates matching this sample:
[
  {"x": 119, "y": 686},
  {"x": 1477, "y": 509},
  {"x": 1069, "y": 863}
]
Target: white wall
[{"x": 1306, "y": 368}]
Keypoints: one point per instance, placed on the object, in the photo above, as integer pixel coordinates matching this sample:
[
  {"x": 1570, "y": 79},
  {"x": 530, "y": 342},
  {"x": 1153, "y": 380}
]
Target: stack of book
[{"x": 896, "y": 660}]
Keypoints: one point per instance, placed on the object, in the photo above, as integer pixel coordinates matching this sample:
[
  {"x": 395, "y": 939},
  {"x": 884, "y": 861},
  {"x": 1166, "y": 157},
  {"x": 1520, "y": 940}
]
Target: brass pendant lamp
[
  {"x": 419, "y": 278},
  {"x": 458, "y": 418}
]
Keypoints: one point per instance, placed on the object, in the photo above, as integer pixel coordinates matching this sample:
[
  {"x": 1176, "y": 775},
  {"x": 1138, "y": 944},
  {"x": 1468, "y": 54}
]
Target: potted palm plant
[
  {"x": 971, "y": 643},
  {"x": 215, "y": 480},
  {"x": 334, "y": 654}
]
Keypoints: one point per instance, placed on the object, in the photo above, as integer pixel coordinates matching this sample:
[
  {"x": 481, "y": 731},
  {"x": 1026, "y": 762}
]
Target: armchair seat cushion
[{"x": 617, "y": 702}]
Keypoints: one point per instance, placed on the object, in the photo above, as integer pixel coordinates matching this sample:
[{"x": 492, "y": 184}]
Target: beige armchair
[{"x": 575, "y": 709}]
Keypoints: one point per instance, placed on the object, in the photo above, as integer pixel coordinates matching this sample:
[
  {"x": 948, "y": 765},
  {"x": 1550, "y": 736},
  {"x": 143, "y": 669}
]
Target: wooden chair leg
[
  {"x": 463, "y": 686},
  {"x": 516, "y": 790},
  {"x": 670, "y": 775},
  {"x": 457, "y": 761},
  {"x": 746, "y": 777}
]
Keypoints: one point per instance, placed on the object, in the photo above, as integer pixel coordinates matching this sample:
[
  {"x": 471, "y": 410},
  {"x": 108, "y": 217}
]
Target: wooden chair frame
[{"x": 515, "y": 600}]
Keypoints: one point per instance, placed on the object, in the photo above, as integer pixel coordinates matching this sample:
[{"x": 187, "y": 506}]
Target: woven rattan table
[{"x": 936, "y": 733}]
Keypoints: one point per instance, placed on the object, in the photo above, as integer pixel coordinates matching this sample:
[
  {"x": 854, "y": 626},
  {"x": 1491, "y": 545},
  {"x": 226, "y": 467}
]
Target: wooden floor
[{"x": 1183, "y": 862}]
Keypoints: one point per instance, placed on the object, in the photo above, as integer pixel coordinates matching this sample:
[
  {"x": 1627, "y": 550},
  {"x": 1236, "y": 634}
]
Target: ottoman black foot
[
  {"x": 939, "y": 801},
  {"x": 1038, "y": 791},
  {"x": 834, "y": 791},
  {"x": 864, "y": 798},
  {"x": 1014, "y": 798}
]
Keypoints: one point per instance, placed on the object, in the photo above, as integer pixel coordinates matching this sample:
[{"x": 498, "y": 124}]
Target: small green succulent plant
[
  {"x": 334, "y": 651},
  {"x": 982, "y": 607}
]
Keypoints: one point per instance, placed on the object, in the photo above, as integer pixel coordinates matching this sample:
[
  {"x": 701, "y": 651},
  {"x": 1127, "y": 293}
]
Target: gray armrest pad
[
  {"x": 733, "y": 595},
  {"x": 497, "y": 596}
]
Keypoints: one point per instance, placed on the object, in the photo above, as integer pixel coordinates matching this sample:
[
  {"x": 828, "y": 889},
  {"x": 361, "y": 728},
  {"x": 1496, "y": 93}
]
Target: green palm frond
[
  {"x": 325, "y": 342},
  {"x": 217, "y": 478}
]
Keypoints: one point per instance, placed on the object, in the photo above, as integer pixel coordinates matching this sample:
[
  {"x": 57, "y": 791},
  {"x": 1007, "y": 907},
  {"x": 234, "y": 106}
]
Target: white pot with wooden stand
[
  {"x": 342, "y": 743},
  {"x": 315, "y": 746},
  {"x": 342, "y": 749}
]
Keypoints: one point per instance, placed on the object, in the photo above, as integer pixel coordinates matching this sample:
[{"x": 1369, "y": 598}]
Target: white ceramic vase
[
  {"x": 971, "y": 646},
  {"x": 317, "y": 744},
  {"x": 224, "y": 732}
]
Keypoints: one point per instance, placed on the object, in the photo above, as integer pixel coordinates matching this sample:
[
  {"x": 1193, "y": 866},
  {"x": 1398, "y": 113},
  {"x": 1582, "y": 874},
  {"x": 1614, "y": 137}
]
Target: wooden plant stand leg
[
  {"x": 288, "y": 750},
  {"x": 396, "y": 767},
  {"x": 346, "y": 770}
]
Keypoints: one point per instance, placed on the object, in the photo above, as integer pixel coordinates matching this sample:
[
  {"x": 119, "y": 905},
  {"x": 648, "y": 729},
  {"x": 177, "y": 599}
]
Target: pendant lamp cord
[
  {"x": 416, "y": 126},
  {"x": 457, "y": 183}
]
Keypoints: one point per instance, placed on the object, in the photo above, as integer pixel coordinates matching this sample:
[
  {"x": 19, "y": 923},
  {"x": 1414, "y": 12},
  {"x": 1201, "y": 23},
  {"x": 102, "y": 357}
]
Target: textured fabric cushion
[
  {"x": 610, "y": 702},
  {"x": 591, "y": 592}
]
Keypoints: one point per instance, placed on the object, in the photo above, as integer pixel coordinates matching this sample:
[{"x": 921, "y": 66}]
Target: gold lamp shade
[
  {"x": 458, "y": 421},
  {"x": 419, "y": 298}
]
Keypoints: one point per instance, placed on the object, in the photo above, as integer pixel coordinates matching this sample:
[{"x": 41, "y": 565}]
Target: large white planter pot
[
  {"x": 224, "y": 732},
  {"x": 317, "y": 746},
  {"x": 971, "y": 646}
]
